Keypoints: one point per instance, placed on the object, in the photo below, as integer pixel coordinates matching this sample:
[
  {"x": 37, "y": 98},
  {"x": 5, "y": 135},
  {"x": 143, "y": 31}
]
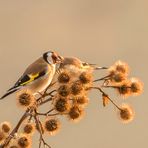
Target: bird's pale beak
[
  {"x": 59, "y": 59},
  {"x": 88, "y": 64}
]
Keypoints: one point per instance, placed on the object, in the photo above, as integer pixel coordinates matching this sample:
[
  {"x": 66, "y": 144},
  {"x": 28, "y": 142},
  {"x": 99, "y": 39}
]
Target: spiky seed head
[
  {"x": 85, "y": 77},
  {"x": 126, "y": 114},
  {"x": 117, "y": 77},
  {"x": 111, "y": 71},
  {"x": 25, "y": 99},
  {"x": 82, "y": 100},
  {"x": 75, "y": 113},
  {"x": 62, "y": 105},
  {"x": 24, "y": 141},
  {"x": 51, "y": 126},
  {"x": 29, "y": 128},
  {"x": 76, "y": 88},
  {"x": 5, "y": 127},
  {"x": 64, "y": 77},
  {"x": 122, "y": 67},
  {"x": 124, "y": 89},
  {"x": 64, "y": 90},
  {"x": 2, "y": 136},
  {"x": 136, "y": 86}
]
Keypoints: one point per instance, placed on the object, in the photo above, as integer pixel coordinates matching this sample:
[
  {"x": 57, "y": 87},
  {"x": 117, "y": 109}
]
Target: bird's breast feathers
[{"x": 43, "y": 82}]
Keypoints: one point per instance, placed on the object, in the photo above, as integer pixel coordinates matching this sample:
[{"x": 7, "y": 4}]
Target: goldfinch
[
  {"x": 38, "y": 75},
  {"x": 79, "y": 64}
]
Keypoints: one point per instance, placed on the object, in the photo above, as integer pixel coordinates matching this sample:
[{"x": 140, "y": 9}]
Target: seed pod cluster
[
  {"x": 118, "y": 79},
  {"x": 74, "y": 81},
  {"x": 68, "y": 97}
]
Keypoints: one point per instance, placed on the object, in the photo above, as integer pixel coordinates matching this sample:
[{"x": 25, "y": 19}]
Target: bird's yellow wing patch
[{"x": 32, "y": 77}]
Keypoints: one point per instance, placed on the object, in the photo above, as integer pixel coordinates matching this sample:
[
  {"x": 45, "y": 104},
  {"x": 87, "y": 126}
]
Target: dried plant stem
[
  {"x": 98, "y": 88},
  {"x": 112, "y": 86},
  {"x": 45, "y": 114},
  {"x": 104, "y": 78},
  {"x": 55, "y": 114},
  {"x": 28, "y": 113},
  {"x": 40, "y": 128},
  {"x": 45, "y": 101},
  {"x": 40, "y": 99},
  {"x": 67, "y": 95},
  {"x": 11, "y": 135}
]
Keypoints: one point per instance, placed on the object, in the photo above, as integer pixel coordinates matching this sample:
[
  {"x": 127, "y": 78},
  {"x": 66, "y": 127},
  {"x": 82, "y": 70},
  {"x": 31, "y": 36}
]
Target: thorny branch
[
  {"x": 69, "y": 97},
  {"x": 12, "y": 134},
  {"x": 28, "y": 113}
]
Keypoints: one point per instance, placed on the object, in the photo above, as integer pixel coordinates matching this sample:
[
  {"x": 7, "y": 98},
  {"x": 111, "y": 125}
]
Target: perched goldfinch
[
  {"x": 71, "y": 61},
  {"x": 38, "y": 75},
  {"x": 78, "y": 63}
]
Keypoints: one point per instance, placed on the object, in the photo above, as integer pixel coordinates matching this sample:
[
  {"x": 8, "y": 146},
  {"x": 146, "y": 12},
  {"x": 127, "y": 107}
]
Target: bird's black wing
[{"x": 26, "y": 79}]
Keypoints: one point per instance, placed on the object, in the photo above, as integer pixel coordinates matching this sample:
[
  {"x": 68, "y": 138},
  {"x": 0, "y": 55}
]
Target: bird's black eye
[{"x": 52, "y": 57}]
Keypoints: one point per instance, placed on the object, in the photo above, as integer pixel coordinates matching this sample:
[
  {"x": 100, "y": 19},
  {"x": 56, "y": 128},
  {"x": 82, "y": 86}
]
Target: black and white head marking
[
  {"x": 52, "y": 57},
  {"x": 47, "y": 56}
]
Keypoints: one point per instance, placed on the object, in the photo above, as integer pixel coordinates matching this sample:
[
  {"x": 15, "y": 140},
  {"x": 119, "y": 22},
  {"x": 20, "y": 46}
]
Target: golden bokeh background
[{"x": 97, "y": 31}]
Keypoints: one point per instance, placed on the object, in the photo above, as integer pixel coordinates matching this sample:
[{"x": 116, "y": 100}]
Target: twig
[
  {"x": 40, "y": 99},
  {"x": 45, "y": 114},
  {"x": 112, "y": 86},
  {"x": 11, "y": 135},
  {"x": 98, "y": 88},
  {"x": 45, "y": 101},
  {"x": 104, "y": 78},
  {"x": 39, "y": 126},
  {"x": 55, "y": 114}
]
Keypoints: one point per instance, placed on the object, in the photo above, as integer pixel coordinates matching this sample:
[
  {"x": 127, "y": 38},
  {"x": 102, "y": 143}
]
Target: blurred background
[{"x": 97, "y": 31}]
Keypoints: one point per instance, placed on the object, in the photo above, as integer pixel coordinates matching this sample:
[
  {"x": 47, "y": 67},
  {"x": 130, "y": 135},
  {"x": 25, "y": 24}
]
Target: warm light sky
[{"x": 97, "y": 31}]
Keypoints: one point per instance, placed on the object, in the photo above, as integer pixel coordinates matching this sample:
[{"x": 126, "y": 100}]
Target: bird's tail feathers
[{"x": 8, "y": 93}]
